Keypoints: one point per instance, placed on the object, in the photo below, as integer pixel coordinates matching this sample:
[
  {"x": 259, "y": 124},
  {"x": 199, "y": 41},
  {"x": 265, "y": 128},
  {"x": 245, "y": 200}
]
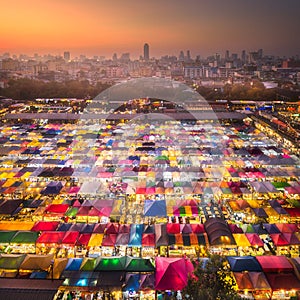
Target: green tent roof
[
  {"x": 71, "y": 212},
  {"x": 6, "y": 236},
  {"x": 280, "y": 184},
  {"x": 24, "y": 237},
  {"x": 111, "y": 264},
  {"x": 10, "y": 261}
]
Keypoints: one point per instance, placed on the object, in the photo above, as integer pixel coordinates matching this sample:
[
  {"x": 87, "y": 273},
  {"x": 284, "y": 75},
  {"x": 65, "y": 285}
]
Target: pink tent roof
[
  {"x": 198, "y": 228},
  {"x": 74, "y": 190},
  {"x": 254, "y": 239},
  {"x": 175, "y": 268}
]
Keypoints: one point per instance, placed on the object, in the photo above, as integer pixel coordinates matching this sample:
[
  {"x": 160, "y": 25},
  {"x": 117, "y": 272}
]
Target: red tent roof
[
  {"x": 273, "y": 263},
  {"x": 112, "y": 228},
  {"x": 83, "y": 211},
  {"x": 148, "y": 240},
  {"x": 70, "y": 237},
  {"x": 50, "y": 237},
  {"x": 287, "y": 227},
  {"x": 291, "y": 238},
  {"x": 173, "y": 228},
  {"x": 83, "y": 239},
  {"x": 278, "y": 239},
  {"x": 57, "y": 208},
  {"x": 109, "y": 240},
  {"x": 45, "y": 226},
  {"x": 283, "y": 281}
]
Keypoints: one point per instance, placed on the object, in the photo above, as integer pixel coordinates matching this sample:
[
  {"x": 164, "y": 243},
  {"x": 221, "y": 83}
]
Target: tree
[{"x": 210, "y": 280}]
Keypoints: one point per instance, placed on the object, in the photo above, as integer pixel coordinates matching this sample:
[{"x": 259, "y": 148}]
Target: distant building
[
  {"x": 181, "y": 56},
  {"x": 188, "y": 55},
  {"x": 67, "y": 56},
  {"x": 125, "y": 57},
  {"x": 10, "y": 64},
  {"x": 227, "y": 55},
  {"x": 146, "y": 52}
]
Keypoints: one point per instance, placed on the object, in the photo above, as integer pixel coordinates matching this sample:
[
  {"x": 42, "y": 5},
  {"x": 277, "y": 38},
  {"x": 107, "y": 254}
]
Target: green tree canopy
[{"x": 211, "y": 280}]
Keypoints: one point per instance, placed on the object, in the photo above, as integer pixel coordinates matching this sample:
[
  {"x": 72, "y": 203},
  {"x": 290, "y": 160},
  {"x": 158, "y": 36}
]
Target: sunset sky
[{"x": 102, "y": 27}]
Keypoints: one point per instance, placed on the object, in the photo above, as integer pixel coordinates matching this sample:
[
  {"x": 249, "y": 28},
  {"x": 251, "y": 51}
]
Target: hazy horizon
[{"x": 95, "y": 27}]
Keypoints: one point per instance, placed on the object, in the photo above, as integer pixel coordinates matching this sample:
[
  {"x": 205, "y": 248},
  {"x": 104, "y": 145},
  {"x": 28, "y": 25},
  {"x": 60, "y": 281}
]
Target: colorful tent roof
[
  {"x": 273, "y": 263},
  {"x": 175, "y": 268}
]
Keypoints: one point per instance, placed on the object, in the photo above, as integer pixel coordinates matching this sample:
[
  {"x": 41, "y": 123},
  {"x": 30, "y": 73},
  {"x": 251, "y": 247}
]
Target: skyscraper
[{"x": 146, "y": 52}]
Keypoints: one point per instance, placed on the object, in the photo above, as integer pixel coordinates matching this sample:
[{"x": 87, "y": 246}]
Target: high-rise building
[
  {"x": 67, "y": 56},
  {"x": 146, "y": 52},
  {"x": 227, "y": 55},
  {"x": 243, "y": 56},
  {"x": 188, "y": 55},
  {"x": 181, "y": 56}
]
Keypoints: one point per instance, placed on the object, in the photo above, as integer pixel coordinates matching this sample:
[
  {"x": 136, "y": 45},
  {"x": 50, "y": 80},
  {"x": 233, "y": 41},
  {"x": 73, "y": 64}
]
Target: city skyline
[{"x": 99, "y": 28}]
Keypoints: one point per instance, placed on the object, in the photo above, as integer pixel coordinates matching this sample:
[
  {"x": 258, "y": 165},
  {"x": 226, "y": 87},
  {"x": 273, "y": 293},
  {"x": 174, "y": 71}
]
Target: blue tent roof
[
  {"x": 73, "y": 264},
  {"x": 244, "y": 263},
  {"x": 132, "y": 282},
  {"x": 64, "y": 227},
  {"x": 136, "y": 232},
  {"x": 155, "y": 208}
]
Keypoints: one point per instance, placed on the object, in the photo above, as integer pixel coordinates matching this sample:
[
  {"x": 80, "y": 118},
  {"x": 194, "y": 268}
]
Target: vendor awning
[
  {"x": 175, "y": 268},
  {"x": 50, "y": 237},
  {"x": 243, "y": 263},
  {"x": 283, "y": 281},
  {"x": 24, "y": 237},
  {"x": 45, "y": 226},
  {"x": 274, "y": 263},
  {"x": 11, "y": 261},
  {"x": 251, "y": 281}
]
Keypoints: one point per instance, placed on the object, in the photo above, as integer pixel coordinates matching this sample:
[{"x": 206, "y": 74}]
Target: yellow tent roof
[
  {"x": 241, "y": 240},
  {"x": 253, "y": 203},
  {"x": 5, "y": 225},
  {"x": 96, "y": 240},
  {"x": 271, "y": 212}
]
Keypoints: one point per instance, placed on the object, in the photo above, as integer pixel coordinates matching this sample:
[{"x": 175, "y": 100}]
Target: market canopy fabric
[
  {"x": 175, "y": 268},
  {"x": 218, "y": 232},
  {"x": 251, "y": 281},
  {"x": 274, "y": 263},
  {"x": 11, "y": 261},
  {"x": 154, "y": 208},
  {"x": 243, "y": 263},
  {"x": 283, "y": 281}
]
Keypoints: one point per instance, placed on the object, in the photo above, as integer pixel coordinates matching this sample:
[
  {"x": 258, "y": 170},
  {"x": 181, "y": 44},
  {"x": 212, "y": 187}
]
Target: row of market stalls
[
  {"x": 262, "y": 277},
  {"x": 141, "y": 240},
  {"x": 148, "y": 191}
]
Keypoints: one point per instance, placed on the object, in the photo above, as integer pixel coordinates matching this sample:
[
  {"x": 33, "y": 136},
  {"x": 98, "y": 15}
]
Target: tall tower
[{"x": 146, "y": 52}]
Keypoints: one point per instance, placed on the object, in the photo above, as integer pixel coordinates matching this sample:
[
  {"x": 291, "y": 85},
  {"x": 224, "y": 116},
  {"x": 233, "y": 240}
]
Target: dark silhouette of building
[{"x": 146, "y": 52}]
